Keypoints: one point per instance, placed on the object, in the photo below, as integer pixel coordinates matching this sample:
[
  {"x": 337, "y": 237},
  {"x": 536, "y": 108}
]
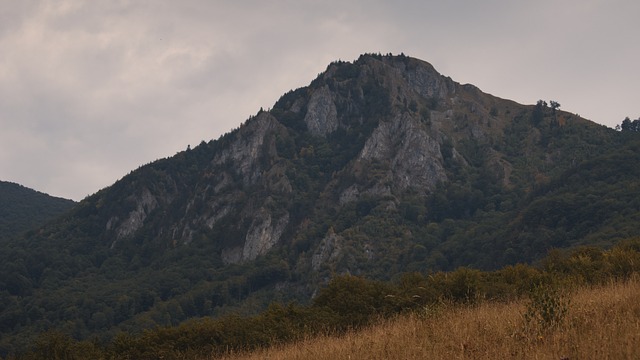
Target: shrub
[{"x": 546, "y": 310}]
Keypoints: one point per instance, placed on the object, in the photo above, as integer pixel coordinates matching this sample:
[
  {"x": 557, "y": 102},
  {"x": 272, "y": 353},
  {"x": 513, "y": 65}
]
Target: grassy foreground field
[{"x": 600, "y": 322}]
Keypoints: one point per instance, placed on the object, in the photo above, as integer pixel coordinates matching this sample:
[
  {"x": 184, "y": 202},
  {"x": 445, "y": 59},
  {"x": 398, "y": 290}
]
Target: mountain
[
  {"x": 23, "y": 209},
  {"x": 379, "y": 166}
]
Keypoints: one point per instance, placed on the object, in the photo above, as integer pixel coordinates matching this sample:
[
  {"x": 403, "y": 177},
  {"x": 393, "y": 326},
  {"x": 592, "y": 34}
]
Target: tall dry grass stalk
[{"x": 601, "y": 323}]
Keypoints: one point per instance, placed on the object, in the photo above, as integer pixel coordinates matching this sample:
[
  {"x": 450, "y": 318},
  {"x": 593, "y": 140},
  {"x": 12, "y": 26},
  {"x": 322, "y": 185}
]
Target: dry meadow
[{"x": 600, "y": 323}]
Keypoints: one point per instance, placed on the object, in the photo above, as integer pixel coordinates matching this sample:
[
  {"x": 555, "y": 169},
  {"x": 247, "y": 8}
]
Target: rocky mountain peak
[
  {"x": 379, "y": 166},
  {"x": 378, "y": 127}
]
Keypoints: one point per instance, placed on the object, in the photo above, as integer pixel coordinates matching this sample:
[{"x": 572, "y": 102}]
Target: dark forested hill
[
  {"x": 378, "y": 167},
  {"x": 23, "y": 209}
]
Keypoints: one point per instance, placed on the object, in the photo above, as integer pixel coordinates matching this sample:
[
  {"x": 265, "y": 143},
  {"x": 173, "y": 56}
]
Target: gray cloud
[{"x": 92, "y": 90}]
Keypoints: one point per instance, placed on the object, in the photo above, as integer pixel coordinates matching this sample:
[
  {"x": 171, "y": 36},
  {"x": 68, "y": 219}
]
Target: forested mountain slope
[
  {"x": 23, "y": 209},
  {"x": 378, "y": 167}
]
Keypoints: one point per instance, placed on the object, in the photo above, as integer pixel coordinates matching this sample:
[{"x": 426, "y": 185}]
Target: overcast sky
[{"x": 90, "y": 90}]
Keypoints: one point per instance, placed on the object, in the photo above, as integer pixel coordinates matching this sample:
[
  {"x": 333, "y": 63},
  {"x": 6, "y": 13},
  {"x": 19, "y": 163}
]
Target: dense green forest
[
  {"x": 349, "y": 302},
  {"x": 23, "y": 209},
  {"x": 379, "y": 167}
]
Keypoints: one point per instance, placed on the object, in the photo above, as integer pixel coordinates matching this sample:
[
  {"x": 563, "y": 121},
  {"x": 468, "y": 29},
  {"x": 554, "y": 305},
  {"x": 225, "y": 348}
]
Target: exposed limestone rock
[
  {"x": 379, "y": 145},
  {"x": 245, "y": 150},
  {"x": 218, "y": 213},
  {"x": 145, "y": 203},
  {"x": 322, "y": 116},
  {"x": 427, "y": 82},
  {"x": 263, "y": 234},
  {"x": 328, "y": 250},
  {"x": 416, "y": 160}
]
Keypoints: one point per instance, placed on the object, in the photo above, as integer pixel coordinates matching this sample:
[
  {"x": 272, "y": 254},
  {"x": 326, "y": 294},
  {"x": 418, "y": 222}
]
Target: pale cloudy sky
[{"x": 90, "y": 90}]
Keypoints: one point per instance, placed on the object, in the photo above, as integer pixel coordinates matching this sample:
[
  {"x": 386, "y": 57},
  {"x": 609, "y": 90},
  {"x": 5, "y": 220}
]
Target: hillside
[
  {"x": 23, "y": 209},
  {"x": 488, "y": 331},
  {"x": 379, "y": 166}
]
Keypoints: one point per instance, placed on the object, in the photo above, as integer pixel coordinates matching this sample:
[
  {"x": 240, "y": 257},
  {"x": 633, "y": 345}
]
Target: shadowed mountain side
[{"x": 23, "y": 209}]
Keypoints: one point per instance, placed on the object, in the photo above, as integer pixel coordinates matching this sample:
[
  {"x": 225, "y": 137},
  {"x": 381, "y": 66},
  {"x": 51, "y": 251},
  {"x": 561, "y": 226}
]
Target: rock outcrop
[
  {"x": 145, "y": 202},
  {"x": 322, "y": 116},
  {"x": 415, "y": 158}
]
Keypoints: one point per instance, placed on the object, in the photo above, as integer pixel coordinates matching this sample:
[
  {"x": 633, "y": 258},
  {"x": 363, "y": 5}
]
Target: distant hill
[
  {"x": 23, "y": 209},
  {"x": 380, "y": 166}
]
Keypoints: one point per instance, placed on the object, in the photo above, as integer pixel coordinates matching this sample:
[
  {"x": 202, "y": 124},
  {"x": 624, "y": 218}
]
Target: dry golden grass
[{"x": 602, "y": 323}]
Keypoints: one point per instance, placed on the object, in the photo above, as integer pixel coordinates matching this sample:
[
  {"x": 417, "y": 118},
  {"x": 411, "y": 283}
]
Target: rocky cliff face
[
  {"x": 322, "y": 117},
  {"x": 263, "y": 234},
  {"x": 415, "y": 159},
  {"x": 144, "y": 204}
]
